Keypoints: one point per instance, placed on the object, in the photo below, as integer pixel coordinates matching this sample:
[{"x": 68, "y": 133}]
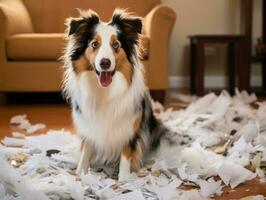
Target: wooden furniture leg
[
  {"x": 264, "y": 42},
  {"x": 243, "y": 64},
  {"x": 192, "y": 67},
  {"x": 232, "y": 63},
  {"x": 199, "y": 71},
  {"x": 158, "y": 95}
]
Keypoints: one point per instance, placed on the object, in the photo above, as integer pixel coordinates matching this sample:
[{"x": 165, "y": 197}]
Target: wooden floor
[{"x": 58, "y": 115}]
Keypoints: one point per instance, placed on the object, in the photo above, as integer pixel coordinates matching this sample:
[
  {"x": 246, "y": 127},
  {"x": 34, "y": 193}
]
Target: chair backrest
[{"x": 49, "y": 15}]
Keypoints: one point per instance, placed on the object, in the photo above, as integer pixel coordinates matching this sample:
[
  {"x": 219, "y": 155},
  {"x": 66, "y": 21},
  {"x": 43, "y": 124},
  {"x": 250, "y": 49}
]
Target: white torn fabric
[{"x": 206, "y": 124}]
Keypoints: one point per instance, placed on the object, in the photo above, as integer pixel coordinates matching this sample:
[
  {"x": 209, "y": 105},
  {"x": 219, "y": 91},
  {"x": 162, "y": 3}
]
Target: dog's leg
[
  {"x": 130, "y": 160},
  {"x": 124, "y": 168},
  {"x": 84, "y": 159}
]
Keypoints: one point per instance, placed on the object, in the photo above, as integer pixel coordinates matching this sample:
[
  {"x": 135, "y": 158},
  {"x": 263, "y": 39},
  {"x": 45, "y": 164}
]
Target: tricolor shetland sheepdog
[{"x": 104, "y": 81}]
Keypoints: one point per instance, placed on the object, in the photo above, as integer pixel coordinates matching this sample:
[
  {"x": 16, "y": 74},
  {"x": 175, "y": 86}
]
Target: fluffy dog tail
[{"x": 158, "y": 131}]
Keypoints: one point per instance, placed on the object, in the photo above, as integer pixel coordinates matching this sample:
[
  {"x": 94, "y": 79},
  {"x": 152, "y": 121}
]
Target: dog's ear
[
  {"x": 127, "y": 22},
  {"x": 73, "y": 25},
  {"x": 87, "y": 19}
]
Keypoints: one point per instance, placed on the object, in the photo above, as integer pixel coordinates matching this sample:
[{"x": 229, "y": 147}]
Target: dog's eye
[
  {"x": 94, "y": 44},
  {"x": 116, "y": 45}
]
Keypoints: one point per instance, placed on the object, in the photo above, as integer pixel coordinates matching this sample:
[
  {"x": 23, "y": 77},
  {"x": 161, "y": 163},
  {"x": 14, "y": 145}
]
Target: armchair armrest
[
  {"x": 14, "y": 18},
  {"x": 158, "y": 25}
]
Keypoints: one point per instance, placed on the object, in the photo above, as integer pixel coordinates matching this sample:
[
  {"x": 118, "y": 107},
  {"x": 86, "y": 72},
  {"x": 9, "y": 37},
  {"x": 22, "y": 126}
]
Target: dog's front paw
[{"x": 122, "y": 177}]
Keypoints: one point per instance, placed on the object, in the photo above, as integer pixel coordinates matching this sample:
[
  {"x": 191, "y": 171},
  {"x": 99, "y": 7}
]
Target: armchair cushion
[{"x": 35, "y": 46}]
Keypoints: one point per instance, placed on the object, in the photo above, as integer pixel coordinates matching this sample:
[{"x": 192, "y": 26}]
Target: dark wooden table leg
[
  {"x": 200, "y": 60},
  {"x": 264, "y": 42},
  {"x": 243, "y": 64},
  {"x": 232, "y": 64},
  {"x": 192, "y": 67},
  {"x": 263, "y": 74},
  {"x": 158, "y": 95}
]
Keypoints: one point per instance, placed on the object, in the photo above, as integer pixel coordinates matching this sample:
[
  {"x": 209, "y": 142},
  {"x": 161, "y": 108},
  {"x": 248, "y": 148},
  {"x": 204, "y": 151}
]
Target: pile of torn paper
[{"x": 221, "y": 136}]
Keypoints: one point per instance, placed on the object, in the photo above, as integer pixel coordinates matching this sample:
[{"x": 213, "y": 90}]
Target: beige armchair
[{"x": 31, "y": 40}]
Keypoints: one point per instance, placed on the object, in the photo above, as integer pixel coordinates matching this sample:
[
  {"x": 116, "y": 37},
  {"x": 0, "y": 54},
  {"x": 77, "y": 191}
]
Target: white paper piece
[
  {"x": 249, "y": 131},
  {"x": 8, "y": 141},
  {"x": 23, "y": 123},
  {"x": 190, "y": 195},
  {"x": 60, "y": 140},
  {"x": 245, "y": 97},
  {"x": 74, "y": 187},
  {"x": 184, "y": 97},
  {"x": 242, "y": 147},
  {"x": 18, "y": 184},
  {"x": 35, "y": 127},
  {"x": 18, "y": 119},
  {"x": 135, "y": 195},
  {"x": 18, "y": 135},
  {"x": 202, "y": 161},
  {"x": 233, "y": 174},
  {"x": 166, "y": 191},
  {"x": 210, "y": 187}
]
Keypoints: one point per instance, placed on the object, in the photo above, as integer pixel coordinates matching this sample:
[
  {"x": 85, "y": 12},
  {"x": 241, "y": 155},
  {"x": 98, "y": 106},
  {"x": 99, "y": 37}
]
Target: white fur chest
[{"x": 106, "y": 115}]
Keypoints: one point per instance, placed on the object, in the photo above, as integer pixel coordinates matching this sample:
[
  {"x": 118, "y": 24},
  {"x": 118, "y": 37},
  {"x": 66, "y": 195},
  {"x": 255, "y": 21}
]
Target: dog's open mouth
[{"x": 105, "y": 77}]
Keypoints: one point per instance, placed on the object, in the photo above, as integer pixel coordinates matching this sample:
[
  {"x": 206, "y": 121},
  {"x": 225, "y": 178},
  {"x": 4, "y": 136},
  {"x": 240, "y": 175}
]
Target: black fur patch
[
  {"x": 129, "y": 29},
  {"x": 83, "y": 30},
  {"x": 133, "y": 142},
  {"x": 151, "y": 125}
]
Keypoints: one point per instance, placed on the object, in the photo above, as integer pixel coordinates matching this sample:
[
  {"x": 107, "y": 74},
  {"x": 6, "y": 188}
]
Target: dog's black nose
[{"x": 105, "y": 63}]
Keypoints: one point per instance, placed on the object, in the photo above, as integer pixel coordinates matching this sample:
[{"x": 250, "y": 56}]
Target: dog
[{"x": 104, "y": 81}]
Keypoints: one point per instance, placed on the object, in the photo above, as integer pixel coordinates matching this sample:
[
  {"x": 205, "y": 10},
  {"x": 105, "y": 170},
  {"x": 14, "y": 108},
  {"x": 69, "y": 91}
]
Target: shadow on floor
[{"x": 26, "y": 98}]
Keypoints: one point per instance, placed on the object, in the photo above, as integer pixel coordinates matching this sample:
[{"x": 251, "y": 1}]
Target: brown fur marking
[
  {"x": 113, "y": 38},
  {"x": 123, "y": 65},
  {"x": 91, "y": 53},
  {"x": 82, "y": 64},
  {"x": 137, "y": 123},
  {"x": 134, "y": 156}
]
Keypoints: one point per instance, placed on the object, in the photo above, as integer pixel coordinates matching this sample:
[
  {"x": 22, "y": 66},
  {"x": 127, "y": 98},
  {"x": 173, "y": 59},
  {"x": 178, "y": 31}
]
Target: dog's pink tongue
[{"x": 105, "y": 78}]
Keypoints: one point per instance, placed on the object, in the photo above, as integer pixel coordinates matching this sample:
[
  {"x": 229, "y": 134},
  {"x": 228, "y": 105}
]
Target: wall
[{"x": 205, "y": 17}]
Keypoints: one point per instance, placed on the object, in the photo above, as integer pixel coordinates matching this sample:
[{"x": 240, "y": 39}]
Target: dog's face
[{"x": 104, "y": 48}]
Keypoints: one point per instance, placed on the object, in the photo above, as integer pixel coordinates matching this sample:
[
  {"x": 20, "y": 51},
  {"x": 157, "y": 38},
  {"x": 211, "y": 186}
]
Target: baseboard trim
[{"x": 210, "y": 81}]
